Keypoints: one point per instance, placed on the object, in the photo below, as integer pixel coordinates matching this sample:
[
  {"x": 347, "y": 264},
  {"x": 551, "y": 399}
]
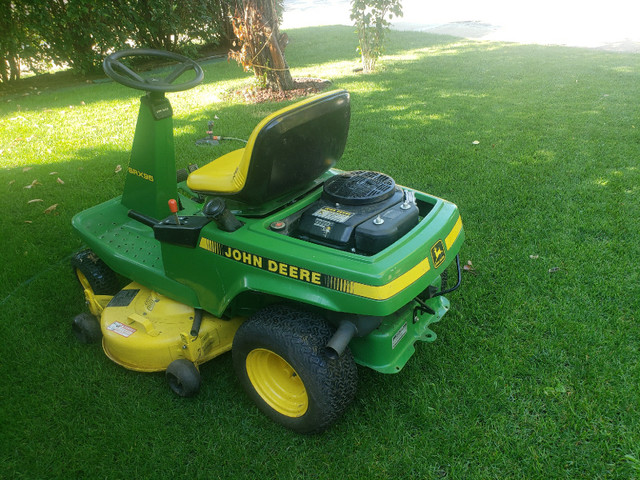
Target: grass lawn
[{"x": 536, "y": 371}]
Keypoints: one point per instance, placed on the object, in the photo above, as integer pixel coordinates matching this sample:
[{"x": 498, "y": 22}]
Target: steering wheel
[{"x": 120, "y": 73}]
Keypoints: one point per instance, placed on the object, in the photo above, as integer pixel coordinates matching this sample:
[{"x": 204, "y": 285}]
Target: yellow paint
[
  {"x": 153, "y": 330},
  {"x": 453, "y": 235},
  {"x": 277, "y": 382},
  {"x": 383, "y": 292},
  {"x": 96, "y": 303}
]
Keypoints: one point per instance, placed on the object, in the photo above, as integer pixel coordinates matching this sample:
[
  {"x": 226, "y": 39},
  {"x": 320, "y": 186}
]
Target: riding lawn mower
[{"x": 301, "y": 270}]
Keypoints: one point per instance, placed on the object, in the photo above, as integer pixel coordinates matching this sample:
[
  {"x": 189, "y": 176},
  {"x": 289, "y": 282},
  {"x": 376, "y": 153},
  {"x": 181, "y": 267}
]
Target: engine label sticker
[
  {"x": 399, "y": 336},
  {"x": 333, "y": 214},
  {"x": 121, "y": 329},
  {"x": 323, "y": 225}
]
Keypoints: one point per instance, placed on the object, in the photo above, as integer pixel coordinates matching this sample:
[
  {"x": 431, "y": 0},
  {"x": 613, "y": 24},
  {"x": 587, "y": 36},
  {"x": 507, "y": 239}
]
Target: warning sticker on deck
[{"x": 121, "y": 329}]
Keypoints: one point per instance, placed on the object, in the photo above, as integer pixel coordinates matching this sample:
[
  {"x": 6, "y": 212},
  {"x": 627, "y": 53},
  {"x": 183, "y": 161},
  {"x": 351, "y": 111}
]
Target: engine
[{"x": 359, "y": 211}]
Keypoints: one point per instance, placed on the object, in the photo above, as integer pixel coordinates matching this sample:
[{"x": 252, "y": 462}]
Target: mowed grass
[{"x": 535, "y": 373}]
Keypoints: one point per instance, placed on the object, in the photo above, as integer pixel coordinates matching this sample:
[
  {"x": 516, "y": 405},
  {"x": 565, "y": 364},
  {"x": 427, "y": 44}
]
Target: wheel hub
[{"x": 277, "y": 382}]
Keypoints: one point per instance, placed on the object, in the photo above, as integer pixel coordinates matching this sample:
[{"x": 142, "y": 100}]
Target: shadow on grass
[
  {"x": 41, "y": 199},
  {"x": 417, "y": 118},
  {"x": 106, "y": 92},
  {"x": 40, "y": 216}
]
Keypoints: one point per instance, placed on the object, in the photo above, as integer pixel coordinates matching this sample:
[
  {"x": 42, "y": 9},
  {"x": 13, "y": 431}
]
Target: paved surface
[{"x": 607, "y": 25}]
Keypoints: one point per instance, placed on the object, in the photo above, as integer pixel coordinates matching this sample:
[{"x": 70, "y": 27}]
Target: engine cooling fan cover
[{"x": 360, "y": 187}]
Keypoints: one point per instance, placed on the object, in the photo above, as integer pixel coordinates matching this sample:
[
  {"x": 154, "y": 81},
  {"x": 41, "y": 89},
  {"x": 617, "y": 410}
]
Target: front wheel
[
  {"x": 279, "y": 358},
  {"x": 86, "y": 328},
  {"x": 183, "y": 378}
]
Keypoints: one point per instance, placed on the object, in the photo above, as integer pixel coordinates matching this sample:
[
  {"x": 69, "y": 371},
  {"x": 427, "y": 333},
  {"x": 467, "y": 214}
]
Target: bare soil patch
[{"x": 302, "y": 87}]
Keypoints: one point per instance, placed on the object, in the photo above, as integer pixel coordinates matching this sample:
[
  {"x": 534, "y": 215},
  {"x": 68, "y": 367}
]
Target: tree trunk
[
  {"x": 279, "y": 74},
  {"x": 14, "y": 66},
  {"x": 3, "y": 70},
  {"x": 262, "y": 45}
]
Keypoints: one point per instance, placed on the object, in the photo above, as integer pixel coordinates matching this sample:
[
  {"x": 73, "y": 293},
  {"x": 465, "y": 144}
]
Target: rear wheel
[
  {"x": 98, "y": 281},
  {"x": 94, "y": 274},
  {"x": 279, "y": 357}
]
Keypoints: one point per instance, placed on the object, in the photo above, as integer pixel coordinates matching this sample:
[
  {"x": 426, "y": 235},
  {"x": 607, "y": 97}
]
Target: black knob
[{"x": 214, "y": 207}]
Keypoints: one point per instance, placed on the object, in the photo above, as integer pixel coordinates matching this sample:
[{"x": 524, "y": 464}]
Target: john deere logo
[{"x": 437, "y": 254}]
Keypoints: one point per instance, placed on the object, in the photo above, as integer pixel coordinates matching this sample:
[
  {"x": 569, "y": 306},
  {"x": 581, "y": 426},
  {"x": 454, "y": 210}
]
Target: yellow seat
[
  {"x": 223, "y": 175},
  {"x": 286, "y": 151}
]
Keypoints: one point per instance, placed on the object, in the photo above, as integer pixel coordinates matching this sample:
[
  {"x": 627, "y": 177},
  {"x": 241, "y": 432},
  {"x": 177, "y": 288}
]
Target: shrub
[
  {"x": 370, "y": 17},
  {"x": 81, "y": 32}
]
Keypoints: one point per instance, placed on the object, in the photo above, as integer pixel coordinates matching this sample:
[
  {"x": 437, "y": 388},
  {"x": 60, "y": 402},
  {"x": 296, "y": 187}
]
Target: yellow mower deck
[{"x": 145, "y": 331}]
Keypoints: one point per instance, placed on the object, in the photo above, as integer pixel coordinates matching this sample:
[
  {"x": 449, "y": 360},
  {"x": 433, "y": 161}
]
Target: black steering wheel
[{"x": 120, "y": 73}]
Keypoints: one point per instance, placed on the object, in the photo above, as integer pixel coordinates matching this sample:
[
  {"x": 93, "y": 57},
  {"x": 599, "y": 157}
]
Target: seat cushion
[
  {"x": 223, "y": 175},
  {"x": 286, "y": 152}
]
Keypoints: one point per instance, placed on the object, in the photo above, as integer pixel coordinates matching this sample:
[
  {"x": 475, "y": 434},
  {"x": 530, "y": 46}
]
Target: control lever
[
  {"x": 218, "y": 211},
  {"x": 173, "y": 206}
]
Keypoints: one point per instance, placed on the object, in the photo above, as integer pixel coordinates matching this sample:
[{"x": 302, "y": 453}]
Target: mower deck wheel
[
  {"x": 279, "y": 357},
  {"x": 86, "y": 328},
  {"x": 183, "y": 378}
]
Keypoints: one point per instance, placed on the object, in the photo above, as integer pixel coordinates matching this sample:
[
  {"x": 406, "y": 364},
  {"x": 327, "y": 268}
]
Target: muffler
[{"x": 339, "y": 341}]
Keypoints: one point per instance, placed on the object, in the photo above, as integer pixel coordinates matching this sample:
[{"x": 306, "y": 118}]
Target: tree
[
  {"x": 256, "y": 26},
  {"x": 13, "y": 34},
  {"x": 79, "y": 33},
  {"x": 370, "y": 17}
]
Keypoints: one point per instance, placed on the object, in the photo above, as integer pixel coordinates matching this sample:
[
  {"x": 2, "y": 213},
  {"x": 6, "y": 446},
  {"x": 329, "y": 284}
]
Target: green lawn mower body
[{"x": 274, "y": 227}]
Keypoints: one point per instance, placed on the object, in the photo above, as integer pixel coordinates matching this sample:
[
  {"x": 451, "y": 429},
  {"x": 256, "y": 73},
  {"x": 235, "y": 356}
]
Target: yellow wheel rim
[{"x": 277, "y": 382}]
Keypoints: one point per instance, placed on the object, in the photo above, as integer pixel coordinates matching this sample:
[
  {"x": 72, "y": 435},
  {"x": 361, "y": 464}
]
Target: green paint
[{"x": 151, "y": 176}]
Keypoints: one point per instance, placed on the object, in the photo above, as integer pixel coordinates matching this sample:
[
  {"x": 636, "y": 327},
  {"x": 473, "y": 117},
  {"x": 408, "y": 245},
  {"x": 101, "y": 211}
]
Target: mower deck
[{"x": 146, "y": 331}]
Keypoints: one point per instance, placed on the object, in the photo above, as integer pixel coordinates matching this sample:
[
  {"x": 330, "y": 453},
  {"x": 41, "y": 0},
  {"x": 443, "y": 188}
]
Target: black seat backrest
[{"x": 295, "y": 146}]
